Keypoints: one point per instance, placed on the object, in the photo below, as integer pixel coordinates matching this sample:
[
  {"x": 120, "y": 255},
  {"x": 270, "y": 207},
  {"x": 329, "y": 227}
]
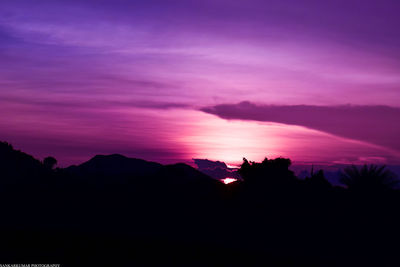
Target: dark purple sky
[{"x": 166, "y": 80}]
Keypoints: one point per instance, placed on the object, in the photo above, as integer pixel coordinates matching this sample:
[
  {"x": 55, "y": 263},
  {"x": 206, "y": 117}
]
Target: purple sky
[{"x": 168, "y": 80}]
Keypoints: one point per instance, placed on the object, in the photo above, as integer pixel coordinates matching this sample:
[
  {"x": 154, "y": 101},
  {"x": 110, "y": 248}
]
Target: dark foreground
[{"x": 116, "y": 211}]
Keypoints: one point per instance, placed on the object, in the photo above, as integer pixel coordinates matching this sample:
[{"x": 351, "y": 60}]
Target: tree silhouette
[
  {"x": 270, "y": 171},
  {"x": 318, "y": 181},
  {"x": 368, "y": 178},
  {"x": 49, "y": 162}
]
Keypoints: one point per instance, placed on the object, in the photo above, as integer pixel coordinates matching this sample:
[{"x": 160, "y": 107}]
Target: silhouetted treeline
[{"x": 113, "y": 209}]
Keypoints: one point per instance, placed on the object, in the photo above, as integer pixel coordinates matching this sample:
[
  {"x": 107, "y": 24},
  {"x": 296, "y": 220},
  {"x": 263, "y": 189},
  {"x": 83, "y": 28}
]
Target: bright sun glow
[{"x": 228, "y": 180}]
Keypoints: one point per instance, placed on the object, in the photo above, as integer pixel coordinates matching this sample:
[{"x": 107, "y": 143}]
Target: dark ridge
[
  {"x": 115, "y": 164},
  {"x": 184, "y": 170}
]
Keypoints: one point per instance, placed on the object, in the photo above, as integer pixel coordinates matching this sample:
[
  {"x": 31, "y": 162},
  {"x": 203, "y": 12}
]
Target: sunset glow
[
  {"x": 170, "y": 81},
  {"x": 228, "y": 180}
]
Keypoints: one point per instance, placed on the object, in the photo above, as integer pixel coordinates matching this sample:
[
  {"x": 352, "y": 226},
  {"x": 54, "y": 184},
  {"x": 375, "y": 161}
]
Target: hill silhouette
[
  {"x": 109, "y": 165},
  {"x": 115, "y": 210},
  {"x": 16, "y": 164}
]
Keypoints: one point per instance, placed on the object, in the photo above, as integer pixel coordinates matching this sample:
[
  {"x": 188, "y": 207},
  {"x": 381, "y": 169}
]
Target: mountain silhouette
[
  {"x": 184, "y": 170},
  {"x": 115, "y": 165},
  {"x": 118, "y": 168}
]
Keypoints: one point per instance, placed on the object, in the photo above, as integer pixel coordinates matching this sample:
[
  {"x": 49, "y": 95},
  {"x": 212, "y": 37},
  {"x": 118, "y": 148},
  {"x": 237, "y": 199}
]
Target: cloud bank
[{"x": 373, "y": 124}]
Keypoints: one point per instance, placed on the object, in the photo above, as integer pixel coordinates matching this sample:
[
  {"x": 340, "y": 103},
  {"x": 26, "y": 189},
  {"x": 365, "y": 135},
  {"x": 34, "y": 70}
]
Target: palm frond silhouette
[{"x": 368, "y": 178}]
